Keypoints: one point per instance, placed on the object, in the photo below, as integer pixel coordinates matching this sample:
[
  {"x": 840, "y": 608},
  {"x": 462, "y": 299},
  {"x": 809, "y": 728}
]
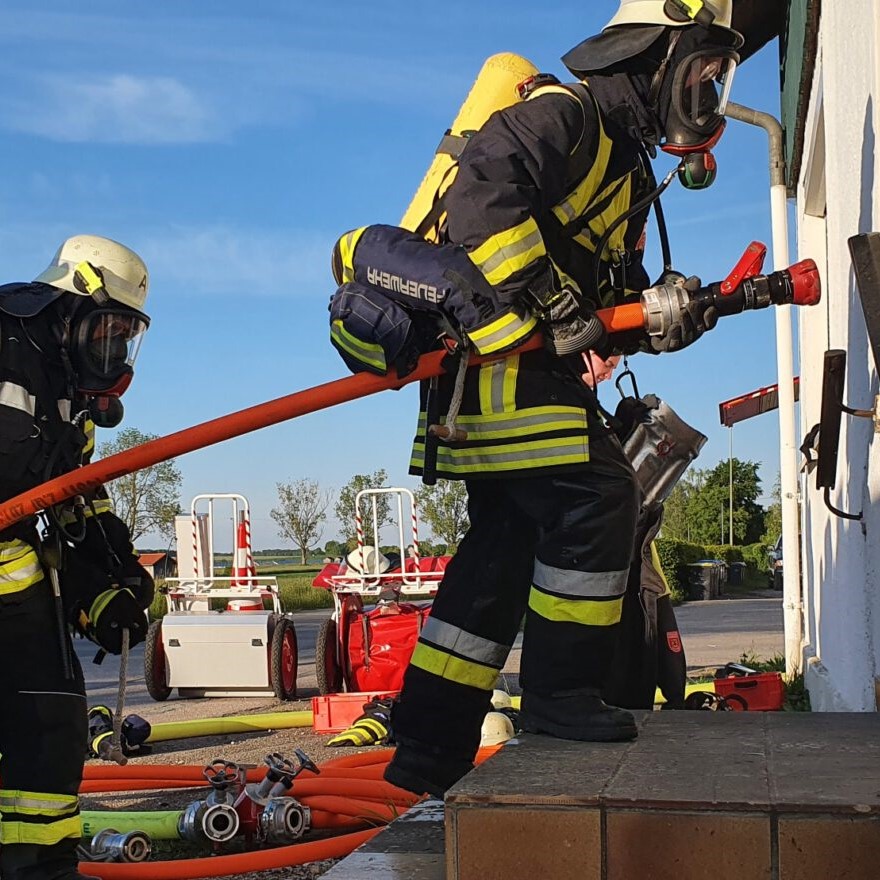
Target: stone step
[{"x": 698, "y": 796}]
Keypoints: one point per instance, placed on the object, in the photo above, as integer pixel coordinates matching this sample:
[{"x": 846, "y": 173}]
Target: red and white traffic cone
[{"x": 242, "y": 557}]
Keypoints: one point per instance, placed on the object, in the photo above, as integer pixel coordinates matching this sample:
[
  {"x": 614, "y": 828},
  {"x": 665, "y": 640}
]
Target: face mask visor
[
  {"x": 107, "y": 345},
  {"x": 701, "y": 90}
]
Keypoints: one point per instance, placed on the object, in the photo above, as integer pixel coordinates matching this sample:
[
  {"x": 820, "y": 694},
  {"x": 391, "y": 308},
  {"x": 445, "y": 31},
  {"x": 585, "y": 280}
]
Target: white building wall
[{"x": 839, "y": 196}]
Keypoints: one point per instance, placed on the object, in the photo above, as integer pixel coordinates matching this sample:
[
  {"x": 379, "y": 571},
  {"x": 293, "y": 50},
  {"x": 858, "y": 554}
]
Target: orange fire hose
[
  {"x": 224, "y": 866},
  {"x": 251, "y": 419}
]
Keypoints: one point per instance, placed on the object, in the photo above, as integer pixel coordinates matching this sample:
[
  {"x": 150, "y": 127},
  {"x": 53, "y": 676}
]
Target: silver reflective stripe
[
  {"x": 580, "y": 584},
  {"x": 524, "y": 423},
  {"x": 465, "y": 644},
  {"x": 16, "y": 801},
  {"x": 17, "y": 397},
  {"x": 513, "y": 252},
  {"x": 513, "y": 456}
]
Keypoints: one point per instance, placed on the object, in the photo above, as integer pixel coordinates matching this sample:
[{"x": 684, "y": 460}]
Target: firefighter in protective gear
[
  {"x": 68, "y": 341},
  {"x": 537, "y": 203}
]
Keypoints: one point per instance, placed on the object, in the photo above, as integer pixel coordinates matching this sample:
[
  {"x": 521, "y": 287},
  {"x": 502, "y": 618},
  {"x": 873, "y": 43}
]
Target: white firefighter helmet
[
  {"x": 673, "y": 13},
  {"x": 367, "y": 560},
  {"x": 501, "y": 699},
  {"x": 85, "y": 261},
  {"x": 497, "y": 728}
]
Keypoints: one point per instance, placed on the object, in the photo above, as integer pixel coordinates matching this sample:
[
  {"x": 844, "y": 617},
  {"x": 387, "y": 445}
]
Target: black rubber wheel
[
  {"x": 327, "y": 668},
  {"x": 155, "y": 665},
  {"x": 283, "y": 660}
]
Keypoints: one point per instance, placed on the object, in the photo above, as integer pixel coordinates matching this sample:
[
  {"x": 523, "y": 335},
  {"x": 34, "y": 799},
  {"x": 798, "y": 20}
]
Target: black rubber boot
[
  {"x": 421, "y": 770},
  {"x": 577, "y": 716},
  {"x": 28, "y": 861}
]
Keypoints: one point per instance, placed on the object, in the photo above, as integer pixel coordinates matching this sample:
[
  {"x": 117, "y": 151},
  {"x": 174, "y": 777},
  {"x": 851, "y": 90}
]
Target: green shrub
[
  {"x": 755, "y": 556},
  {"x": 675, "y": 556},
  {"x": 724, "y": 551}
]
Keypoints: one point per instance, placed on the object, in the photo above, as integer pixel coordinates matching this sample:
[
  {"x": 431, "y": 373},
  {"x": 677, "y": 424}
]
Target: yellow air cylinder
[{"x": 493, "y": 89}]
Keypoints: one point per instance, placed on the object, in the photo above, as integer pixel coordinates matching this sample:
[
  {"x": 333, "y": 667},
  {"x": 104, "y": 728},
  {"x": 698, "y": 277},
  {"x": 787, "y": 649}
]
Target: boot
[
  {"x": 421, "y": 770},
  {"x": 29, "y": 861},
  {"x": 581, "y": 717}
]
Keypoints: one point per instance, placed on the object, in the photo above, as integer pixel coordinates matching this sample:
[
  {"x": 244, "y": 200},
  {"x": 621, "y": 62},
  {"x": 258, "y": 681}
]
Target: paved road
[{"x": 714, "y": 633}]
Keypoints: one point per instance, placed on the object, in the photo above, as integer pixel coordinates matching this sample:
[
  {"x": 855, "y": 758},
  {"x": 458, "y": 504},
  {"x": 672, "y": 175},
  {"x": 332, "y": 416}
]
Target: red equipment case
[{"x": 764, "y": 692}]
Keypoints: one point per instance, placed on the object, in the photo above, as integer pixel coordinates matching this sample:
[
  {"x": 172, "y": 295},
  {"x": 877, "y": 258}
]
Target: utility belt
[{"x": 400, "y": 295}]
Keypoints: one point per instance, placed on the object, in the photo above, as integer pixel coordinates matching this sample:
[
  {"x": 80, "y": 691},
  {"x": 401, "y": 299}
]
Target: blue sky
[{"x": 230, "y": 145}]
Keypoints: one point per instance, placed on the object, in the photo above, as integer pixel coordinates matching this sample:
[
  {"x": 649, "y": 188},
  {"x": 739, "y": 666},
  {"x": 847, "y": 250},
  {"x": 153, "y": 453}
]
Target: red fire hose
[{"x": 798, "y": 285}]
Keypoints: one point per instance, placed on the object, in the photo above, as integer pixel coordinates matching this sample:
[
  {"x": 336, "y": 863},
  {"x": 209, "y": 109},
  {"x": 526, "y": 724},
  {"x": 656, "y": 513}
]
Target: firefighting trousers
[
  {"x": 552, "y": 549},
  {"x": 43, "y": 728}
]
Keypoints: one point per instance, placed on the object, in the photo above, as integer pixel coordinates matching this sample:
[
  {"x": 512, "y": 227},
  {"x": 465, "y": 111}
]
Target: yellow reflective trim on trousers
[
  {"x": 455, "y": 669},
  {"x": 19, "y": 567},
  {"x": 508, "y": 252},
  {"x": 580, "y": 198},
  {"x": 37, "y": 803},
  {"x": 583, "y": 611},
  {"x": 347, "y": 245},
  {"x": 365, "y": 352},
  {"x": 44, "y": 834}
]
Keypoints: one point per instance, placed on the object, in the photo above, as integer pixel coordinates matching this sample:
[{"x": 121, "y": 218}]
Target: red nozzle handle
[
  {"x": 806, "y": 285},
  {"x": 749, "y": 265}
]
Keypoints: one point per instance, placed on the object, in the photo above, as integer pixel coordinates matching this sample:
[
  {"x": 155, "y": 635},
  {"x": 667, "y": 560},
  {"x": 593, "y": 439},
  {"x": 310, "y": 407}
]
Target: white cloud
[
  {"x": 225, "y": 260},
  {"x": 119, "y": 108}
]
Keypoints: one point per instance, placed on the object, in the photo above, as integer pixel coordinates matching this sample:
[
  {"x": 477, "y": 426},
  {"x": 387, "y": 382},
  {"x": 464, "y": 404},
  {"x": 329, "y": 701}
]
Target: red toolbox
[
  {"x": 763, "y": 692},
  {"x": 335, "y": 712}
]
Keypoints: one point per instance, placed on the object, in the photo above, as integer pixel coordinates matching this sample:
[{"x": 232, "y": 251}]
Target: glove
[
  {"x": 133, "y": 736},
  {"x": 570, "y": 326},
  {"x": 109, "y": 614},
  {"x": 694, "y": 321},
  {"x": 371, "y": 728}
]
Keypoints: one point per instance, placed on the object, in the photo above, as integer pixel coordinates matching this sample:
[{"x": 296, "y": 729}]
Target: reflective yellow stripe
[
  {"x": 584, "y": 611},
  {"x": 19, "y": 567},
  {"x": 509, "y": 252},
  {"x": 508, "y": 331},
  {"x": 43, "y": 833},
  {"x": 103, "y": 600},
  {"x": 454, "y": 669},
  {"x": 373, "y": 727},
  {"x": 580, "y": 198},
  {"x": 497, "y": 384},
  {"x": 347, "y": 244},
  {"x": 37, "y": 803},
  {"x": 597, "y": 226},
  {"x": 365, "y": 352},
  {"x": 521, "y": 423},
  {"x": 89, "y": 431},
  {"x": 553, "y": 452}
]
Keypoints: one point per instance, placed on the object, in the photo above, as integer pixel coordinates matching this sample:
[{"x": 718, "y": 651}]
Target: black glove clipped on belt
[
  {"x": 694, "y": 321},
  {"x": 570, "y": 326}
]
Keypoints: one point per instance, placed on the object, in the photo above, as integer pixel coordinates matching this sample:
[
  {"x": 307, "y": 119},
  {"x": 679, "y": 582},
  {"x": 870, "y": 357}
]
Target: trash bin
[
  {"x": 702, "y": 581},
  {"x": 736, "y": 573}
]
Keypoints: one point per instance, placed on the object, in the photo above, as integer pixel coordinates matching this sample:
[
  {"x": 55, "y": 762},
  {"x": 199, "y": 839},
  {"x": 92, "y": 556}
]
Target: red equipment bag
[{"x": 380, "y": 644}]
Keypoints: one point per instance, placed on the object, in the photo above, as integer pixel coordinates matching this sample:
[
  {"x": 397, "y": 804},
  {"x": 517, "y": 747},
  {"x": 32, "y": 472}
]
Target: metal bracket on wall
[{"x": 825, "y": 437}]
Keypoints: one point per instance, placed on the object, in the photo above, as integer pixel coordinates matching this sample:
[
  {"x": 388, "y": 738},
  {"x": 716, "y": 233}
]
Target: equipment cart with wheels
[
  {"x": 221, "y": 636},
  {"x": 366, "y": 647}
]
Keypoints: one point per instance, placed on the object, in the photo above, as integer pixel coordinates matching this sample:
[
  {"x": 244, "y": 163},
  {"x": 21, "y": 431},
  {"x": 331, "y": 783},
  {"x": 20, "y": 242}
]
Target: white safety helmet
[
  {"x": 86, "y": 263},
  {"x": 501, "y": 699},
  {"x": 673, "y": 13},
  {"x": 497, "y": 728},
  {"x": 367, "y": 560}
]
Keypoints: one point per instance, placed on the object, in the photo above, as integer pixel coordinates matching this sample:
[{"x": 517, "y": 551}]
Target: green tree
[
  {"x": 301, "y": 510},
  {"x": 709, "y": 507},
  {"x": 444, "y": 508},
  {"x": 146, "y": 500},
  {"x": 676, "y": 516},
  {"x": 773, "y": 515},
  {"x": 335, "y": 549},
  {"x": 345, "y": 511}
]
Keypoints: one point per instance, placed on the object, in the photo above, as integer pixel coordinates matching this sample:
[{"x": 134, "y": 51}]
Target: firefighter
[
  {"x": 68, "y": 342},
  {"x": 550, "y": 201}
]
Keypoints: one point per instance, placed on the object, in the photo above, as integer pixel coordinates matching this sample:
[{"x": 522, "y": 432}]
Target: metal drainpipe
[{"x": 788, "y": 452}]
